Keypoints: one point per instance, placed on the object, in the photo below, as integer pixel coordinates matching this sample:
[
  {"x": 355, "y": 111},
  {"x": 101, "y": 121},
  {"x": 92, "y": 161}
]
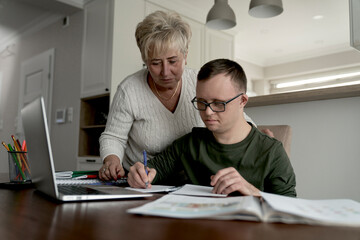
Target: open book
[{"x": 271, "y": 208}]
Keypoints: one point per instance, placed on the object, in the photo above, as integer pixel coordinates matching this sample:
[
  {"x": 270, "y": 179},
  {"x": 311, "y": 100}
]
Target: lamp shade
[
  {"x": 221, "y": 16},
  {"x": 265, "y": 8}
]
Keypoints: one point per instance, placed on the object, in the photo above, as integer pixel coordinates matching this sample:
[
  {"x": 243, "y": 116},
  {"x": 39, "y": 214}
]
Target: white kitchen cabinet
[
  {"x": 195, "y": 58},
  {"x": 97, "y": 48},
  {"x": 218, "y": 45}
]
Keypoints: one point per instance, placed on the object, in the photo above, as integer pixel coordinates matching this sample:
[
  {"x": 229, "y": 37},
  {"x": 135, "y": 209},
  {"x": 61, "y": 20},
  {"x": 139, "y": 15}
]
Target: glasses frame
[{"x": 194, "y": 101}]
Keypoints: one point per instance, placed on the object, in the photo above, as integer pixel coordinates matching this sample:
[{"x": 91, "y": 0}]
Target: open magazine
[{"x": 271, "y": 208}]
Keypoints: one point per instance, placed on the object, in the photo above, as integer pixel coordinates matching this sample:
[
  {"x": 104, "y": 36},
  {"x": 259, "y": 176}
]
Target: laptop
[{"x": 42, "y": 163}]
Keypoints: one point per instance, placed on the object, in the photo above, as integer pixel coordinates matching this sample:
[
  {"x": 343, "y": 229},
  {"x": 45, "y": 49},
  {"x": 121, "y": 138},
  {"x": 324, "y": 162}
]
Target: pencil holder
[{"x": 19, "y": 168}]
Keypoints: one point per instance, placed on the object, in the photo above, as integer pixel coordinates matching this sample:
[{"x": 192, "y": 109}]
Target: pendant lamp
[
  {"x": 221, "y": 16},
  {"x": 265, "y": 8}
]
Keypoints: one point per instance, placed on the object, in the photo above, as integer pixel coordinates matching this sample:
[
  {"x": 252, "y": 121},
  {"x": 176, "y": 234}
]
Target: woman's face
[{"x": 166, "y": 69}]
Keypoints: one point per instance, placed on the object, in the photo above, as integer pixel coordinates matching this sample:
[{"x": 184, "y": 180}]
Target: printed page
[
  {"x": 180, "y": 206},
  {"x": 155, "y": 188},
  {"x": 325, "y": 212},
  {"x": 197, "y": 190}
]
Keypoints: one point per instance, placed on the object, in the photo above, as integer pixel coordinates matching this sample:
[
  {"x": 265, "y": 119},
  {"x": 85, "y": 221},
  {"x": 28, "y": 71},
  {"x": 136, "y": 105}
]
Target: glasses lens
[
  {"x": 217, "y": 106},
  {"x": 200, "y": 105}
]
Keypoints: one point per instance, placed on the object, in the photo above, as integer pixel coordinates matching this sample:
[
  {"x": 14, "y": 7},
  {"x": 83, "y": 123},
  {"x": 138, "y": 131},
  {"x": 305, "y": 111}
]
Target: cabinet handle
[
  {"x": 106, "y": 89},
  {"x": 90, "y": 160}
]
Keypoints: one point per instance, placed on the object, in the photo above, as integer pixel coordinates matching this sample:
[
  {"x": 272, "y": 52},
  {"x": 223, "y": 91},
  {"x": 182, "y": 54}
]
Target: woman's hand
[{"x": 111, "y": 169}]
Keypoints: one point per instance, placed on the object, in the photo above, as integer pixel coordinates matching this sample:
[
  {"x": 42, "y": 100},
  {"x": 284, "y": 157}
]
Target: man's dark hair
[{"x": 227, "y": 67}]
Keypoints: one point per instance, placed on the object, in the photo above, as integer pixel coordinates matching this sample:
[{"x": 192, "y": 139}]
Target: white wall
[
  {"x": 66, "y": 86},
  {"x": 313, "y": 65},
  {"x": 306, "y": 68},
  {"x": 325, "y": 150}
]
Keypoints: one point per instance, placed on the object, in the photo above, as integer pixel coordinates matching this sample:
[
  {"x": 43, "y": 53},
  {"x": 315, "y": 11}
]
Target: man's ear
[{"x": 244, "y": 100}]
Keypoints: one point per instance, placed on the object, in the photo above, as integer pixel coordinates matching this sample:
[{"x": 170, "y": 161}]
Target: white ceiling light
[
  {"x": 221, "y": 16},
  {"x": 317, "y": 80},
  {"x": 265, "y": 8},
  {"x": 318, "y": 17}
]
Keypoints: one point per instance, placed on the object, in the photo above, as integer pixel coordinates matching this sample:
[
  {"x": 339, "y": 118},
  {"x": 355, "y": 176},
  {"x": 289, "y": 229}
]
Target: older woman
[{"x": 151, "y": 107}]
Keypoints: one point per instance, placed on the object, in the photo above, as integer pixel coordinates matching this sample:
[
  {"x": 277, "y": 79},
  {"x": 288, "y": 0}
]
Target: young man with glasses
[{"x": 230, "y": 154}]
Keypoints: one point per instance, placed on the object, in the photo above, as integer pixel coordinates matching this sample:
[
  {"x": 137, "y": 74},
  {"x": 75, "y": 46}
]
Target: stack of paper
[{"x": 269, "y": 208}]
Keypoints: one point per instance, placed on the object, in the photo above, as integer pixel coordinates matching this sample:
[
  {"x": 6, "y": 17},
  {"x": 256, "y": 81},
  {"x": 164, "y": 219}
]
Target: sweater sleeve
[{"x": 113, "y": 140}]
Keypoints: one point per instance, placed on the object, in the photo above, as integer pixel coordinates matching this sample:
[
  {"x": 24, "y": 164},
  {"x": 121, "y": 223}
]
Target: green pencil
[{"x": 16, "y": 162}]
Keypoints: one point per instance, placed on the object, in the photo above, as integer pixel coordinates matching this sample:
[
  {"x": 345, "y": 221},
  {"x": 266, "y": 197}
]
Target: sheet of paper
[
  {"x": 179, "y": 206},
  {"x": 327, "y": 212},
  {"x": 154, "y": 189},
  {"x": 197, "y": 190}
]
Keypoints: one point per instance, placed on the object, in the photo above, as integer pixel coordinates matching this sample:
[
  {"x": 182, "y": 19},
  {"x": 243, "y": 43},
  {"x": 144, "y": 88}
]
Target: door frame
[{"x": 49, "y": 56}]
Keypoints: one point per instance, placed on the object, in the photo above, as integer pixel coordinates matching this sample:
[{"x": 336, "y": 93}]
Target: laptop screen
[{"x": 39, "y": 147}]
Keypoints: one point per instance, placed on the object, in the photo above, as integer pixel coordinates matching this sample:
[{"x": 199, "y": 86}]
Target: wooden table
[{"x": 26, "y": 214}]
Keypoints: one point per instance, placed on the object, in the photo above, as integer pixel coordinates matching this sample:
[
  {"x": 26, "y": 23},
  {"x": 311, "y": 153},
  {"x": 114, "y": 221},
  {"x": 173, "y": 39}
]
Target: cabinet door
[
  {"x": 218, "y": 45},
  {"x": 96, "y": 68},
  {"x": 195, "y": 58},
  {"x": 126, "y": 57}
]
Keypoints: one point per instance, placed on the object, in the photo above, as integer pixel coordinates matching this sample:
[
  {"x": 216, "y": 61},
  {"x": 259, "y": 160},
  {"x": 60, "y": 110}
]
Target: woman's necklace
[{"x": 167, "y": 99}]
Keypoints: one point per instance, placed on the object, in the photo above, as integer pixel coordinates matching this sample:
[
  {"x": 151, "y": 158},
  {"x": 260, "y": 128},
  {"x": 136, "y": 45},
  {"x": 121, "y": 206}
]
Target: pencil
[
  {"x": 17, "y": 149},
  {"x": 17, "y": 163},
  {"x": 16, "y": 145},
  {"x": 24, "y": 158},
  {"x": 21, "y": 156},
  {"x": 4, "y": 144},
  {"x": 24, "y": 146}
]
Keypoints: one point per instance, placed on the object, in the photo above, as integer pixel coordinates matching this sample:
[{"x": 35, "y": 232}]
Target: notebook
[{"x": 42, "y": 163}]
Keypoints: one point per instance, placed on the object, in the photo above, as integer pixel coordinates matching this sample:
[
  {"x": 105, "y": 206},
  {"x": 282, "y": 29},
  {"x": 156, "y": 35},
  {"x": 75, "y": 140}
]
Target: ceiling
[
  {"x": 293, "y": 35},
  {"x": 18, "y": 15}
]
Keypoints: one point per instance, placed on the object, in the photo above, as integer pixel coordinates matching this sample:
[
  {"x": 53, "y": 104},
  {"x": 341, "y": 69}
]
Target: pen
[
  {"x": 86, "y": 177},
  {"x": 145, "y": 166}
]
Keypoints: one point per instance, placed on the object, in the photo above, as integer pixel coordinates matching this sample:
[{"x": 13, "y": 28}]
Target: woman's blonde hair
[{"x": 161, "y": 31}]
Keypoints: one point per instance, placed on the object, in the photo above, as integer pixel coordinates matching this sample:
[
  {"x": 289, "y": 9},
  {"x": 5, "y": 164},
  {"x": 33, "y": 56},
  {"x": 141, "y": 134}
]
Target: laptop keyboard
[{"x": 76, "y": 190}]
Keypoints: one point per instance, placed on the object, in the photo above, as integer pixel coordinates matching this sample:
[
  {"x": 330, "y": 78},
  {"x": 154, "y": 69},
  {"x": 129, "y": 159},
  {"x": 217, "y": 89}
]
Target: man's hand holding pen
[{"x": 137, "y": 177}]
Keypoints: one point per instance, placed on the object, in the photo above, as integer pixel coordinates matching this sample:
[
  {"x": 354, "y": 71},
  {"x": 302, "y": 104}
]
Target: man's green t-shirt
[{"x": 260, "y": 159}]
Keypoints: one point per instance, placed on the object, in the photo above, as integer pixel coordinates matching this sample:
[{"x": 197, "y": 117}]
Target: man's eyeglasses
[{"x": 214, "y": 106}]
